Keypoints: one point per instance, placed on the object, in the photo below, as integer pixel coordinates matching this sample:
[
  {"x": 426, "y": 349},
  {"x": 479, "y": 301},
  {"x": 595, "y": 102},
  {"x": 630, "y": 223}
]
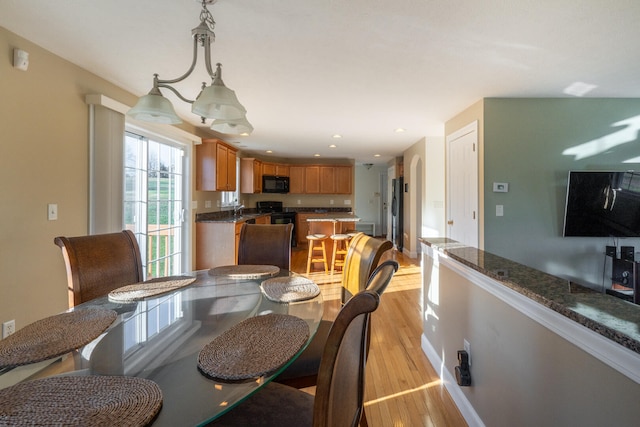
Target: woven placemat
[
  {"x": 54, "y": 336},
  {"x": 81, "y": 401},
  {"x": 245, "y": 271},
  {"x": 289, "y": 289},
  {"x": 150, "y": 288},
  {"x": 254, "y": 347}
]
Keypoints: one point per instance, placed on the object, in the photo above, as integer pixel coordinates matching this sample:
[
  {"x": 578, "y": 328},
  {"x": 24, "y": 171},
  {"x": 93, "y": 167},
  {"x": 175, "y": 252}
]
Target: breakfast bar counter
[{"x": 542, "y": 350}]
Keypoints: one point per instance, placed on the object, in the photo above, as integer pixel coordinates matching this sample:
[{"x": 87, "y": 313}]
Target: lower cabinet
[{"x": 217, "y": 242}]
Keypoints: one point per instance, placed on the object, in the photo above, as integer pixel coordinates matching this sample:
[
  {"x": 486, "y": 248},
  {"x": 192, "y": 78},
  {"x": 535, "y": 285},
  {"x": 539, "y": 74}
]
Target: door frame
[{"x": 473, "y": 188}]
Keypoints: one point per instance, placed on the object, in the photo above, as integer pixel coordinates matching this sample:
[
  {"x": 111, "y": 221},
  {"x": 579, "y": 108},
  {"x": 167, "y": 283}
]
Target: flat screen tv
[{"x": 603, "y": 204}]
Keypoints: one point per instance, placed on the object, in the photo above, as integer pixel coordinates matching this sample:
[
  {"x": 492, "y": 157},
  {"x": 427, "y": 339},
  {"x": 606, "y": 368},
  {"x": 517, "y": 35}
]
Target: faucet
[{"x": 236, "y": 209}]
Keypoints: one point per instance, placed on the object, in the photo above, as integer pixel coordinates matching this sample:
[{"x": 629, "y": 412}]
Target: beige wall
[
  {"x": 44, "y": 159},
  {"x": 522, "y": 373}
]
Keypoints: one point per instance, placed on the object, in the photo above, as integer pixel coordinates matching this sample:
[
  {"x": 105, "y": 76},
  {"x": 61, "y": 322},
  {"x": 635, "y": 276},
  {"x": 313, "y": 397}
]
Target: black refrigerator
[{"x": 396, "y": 212}]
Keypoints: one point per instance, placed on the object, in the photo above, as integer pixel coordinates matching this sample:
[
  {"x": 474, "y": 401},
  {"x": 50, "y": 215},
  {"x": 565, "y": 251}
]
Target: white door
[{"x": 462, "y": 186}]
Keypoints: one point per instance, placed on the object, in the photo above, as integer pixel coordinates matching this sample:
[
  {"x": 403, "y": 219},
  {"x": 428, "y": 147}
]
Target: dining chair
[
  {"x": 265, "y": 244},
  {"x": 100, "y": 263},
  {"x": 339, "y": 396},
  {"x": 362, "y": 258}
]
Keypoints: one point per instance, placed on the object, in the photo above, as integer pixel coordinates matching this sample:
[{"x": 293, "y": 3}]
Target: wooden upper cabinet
[
  {"x": 250, "y": 175},
  {"x": 215, "y": 166},
  {"x": 282, "y": 170},
  {"x": 268, "y": 168},
  {"x": 312, "y": 179},
  {"x": 275, "y": 169},
  {"x": 296, "y": 179},
  {"x": 344, "y": 179},
  {"x": 327, "y": 180},
  {"x": 320, "y": 179}
]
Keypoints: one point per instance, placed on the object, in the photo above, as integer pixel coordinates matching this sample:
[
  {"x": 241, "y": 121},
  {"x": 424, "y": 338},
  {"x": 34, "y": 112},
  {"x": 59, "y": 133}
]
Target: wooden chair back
[
  {"x": 339, "y": 396},
  {"x": 265, "y": 244},
  {"x": 99, "y": 264},
  {"x": 362, "y": 258}
]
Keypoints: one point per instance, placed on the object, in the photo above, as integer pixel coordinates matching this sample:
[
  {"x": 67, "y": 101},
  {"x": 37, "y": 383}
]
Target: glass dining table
[{"x": 160, "y": 339}]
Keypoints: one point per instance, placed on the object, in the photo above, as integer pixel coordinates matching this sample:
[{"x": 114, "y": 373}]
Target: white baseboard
[{"x": 468, "y": 412}]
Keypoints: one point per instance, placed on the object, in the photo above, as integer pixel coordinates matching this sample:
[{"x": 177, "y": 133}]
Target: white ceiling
[{"x": 308, "y": 69}]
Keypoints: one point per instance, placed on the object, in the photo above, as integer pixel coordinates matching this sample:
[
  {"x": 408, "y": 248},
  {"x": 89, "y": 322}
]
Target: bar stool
[
  {"x": 340, "y": 247},
  {"x": 314, "y": 240}
]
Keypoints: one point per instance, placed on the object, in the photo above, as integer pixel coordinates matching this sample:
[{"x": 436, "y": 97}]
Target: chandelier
[{"x": 215, "y": 101}]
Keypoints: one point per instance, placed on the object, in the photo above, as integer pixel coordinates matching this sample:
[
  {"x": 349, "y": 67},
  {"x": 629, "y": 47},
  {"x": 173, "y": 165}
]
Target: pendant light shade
[
  {"x": 233, "y": 127},
  {"x": 218, "y": 101},
  {"x": 154, "y": 108}
]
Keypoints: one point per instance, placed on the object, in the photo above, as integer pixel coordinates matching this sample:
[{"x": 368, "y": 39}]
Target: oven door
[{"x": 282, "y": 219}]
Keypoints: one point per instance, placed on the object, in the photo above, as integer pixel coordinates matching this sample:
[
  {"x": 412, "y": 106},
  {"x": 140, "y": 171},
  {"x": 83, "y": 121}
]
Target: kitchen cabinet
[
  {"x": 268, "y": 168},
  {"x": 265, "y": 219},
  {"x": 344, "y": 179},
  {"x": 303, "y": 179},
  {"x": 327, "y": 180},
  {"x": 302, "y": 226},
  {"x": 215, "y": 166},
  {"x": 250, "y": 175},
  {"x": 275, "y": 169},
  {"x": 282, "y": 170},
  {"x": 296, "y": 179},
  {"x": 312, "y": 179},
  {"x": 217, "y": 242}
]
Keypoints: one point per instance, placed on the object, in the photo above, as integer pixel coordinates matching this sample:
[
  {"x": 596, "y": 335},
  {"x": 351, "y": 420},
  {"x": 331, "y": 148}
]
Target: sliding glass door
[{"x": 154, "y": 202}]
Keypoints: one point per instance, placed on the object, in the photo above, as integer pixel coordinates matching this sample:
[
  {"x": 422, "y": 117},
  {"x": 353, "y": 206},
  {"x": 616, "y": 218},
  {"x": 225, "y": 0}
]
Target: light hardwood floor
[{"x": 402, "y": 388}]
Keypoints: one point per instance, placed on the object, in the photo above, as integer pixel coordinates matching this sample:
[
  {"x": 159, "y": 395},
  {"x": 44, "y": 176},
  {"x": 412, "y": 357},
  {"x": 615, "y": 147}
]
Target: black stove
[{"x": 279, "y": 216}]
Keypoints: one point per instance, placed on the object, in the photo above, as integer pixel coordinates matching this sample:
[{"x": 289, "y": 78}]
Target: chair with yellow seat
[{"x": 362, "y": 259}]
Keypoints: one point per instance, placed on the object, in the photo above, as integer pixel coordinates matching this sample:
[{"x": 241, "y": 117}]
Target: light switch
[
  {"x": 499, "y": 210},
  {"x": 52, "y": 211}
]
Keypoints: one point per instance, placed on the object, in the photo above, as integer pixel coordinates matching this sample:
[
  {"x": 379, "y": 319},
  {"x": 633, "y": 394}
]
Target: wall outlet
[
  {"x": 331, "y": 201},
  {"x": 467, "y": 348},
  {"x": 207, "y": 203},
  {"x": 8, "y": 328}
]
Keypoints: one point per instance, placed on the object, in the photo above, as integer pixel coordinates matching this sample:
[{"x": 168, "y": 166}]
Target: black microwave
[{"x": 275, "y": 184}]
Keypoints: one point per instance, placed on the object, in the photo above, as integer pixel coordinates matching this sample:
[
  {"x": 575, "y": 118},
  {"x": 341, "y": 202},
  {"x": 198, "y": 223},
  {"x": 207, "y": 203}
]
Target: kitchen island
[
  {"x": 330, "y": 223},
  {"x": 543, "y": 350}
]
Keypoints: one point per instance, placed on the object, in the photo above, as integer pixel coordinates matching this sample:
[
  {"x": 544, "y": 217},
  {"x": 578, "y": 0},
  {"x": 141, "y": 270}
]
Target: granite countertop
[
  {"x": 333, "y": 217},
  {"x": 227, "y": 216},
  {"x": 607, "y": 315}
]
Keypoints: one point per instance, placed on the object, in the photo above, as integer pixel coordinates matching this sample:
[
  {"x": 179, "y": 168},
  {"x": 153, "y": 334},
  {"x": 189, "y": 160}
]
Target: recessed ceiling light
[
  {"x": 244, "y": 134},
  {"x": 269, "y": 151},
  {"x": 399, "y": 130},
  {"x": 316, "y": 155},
  {"x": 376, "y": 155},
  {"x": 579, "y": 88},
  {"x": 333, "y": 146},
  {"x": 336, "y": 136}
]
